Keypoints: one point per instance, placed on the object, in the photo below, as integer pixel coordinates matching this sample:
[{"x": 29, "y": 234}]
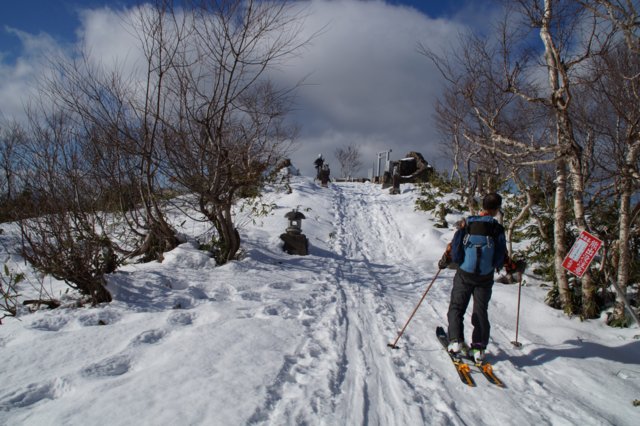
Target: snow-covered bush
[
  {"x": 9, "y": 292},
  {"x": 70, "y": 250}
]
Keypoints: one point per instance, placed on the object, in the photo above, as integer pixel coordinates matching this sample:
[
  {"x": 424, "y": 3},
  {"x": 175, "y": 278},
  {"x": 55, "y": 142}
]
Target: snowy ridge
[{"x": 275, "y": 339}]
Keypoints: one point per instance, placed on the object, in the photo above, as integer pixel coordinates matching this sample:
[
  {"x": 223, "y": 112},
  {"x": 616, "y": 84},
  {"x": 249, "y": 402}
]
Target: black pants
[{"x": 466, "y": 285}]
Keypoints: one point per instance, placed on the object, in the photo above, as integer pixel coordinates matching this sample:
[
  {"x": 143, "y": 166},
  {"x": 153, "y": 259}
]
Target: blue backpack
[{"x": 479, "y": 244}]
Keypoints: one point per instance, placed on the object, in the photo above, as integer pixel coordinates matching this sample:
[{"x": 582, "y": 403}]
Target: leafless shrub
[
  {"x": 9, "y": 292},
  {"x": 350, "y": 160},
  {"x": 67, "y": 239}
]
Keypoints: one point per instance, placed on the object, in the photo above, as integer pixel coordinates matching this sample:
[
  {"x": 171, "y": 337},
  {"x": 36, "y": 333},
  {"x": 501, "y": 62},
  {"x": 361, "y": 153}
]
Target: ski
[
  {"x": 463, "y": 369},
  {"x": 484, "y": 367},
  {"x": 487, "y": 371}
]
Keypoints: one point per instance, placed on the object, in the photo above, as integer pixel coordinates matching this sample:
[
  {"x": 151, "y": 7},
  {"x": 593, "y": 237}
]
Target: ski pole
[
  {"x": 515, "y": 342},
  {"x": 393, "y": 345}
]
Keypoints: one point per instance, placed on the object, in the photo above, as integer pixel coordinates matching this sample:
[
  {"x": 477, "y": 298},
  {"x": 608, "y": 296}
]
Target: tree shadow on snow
[
  {"x": 580, "y": 349},
  {"x": 315, "y": 261}
]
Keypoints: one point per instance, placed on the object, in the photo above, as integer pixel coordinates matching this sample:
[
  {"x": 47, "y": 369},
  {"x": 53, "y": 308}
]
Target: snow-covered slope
[{"x": 282, "y": 340}]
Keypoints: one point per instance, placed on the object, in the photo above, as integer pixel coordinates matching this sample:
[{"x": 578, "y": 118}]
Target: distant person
[
  {"x": 479, "y": 248},
  {"x": 318, "y": 165},
  {"x": 325, "y": 175}
]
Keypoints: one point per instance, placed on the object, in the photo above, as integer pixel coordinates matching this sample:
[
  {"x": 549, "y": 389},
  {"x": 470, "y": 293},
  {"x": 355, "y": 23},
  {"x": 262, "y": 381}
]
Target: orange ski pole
[
  {"x": 394, "y": 344},
  {"x": 515, "y": 342}
]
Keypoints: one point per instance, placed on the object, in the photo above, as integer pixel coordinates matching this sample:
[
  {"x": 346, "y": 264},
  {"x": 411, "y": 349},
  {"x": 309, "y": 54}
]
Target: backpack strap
[{"x": 481, "y": 227}]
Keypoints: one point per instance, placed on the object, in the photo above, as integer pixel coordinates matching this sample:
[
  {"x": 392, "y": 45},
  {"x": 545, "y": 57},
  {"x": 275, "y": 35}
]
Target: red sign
[{"x": 581, "y": 254}]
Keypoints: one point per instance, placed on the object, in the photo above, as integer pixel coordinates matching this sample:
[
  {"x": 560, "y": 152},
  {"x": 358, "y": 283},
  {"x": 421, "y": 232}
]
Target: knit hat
[{"x": 492, "y": 201}]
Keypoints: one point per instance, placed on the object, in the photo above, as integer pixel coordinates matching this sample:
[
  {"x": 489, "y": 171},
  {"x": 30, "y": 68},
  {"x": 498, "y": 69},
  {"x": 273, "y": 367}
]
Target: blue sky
[
  {"x": 57, "y": 18},
  {"x": 367, "y": 84}
]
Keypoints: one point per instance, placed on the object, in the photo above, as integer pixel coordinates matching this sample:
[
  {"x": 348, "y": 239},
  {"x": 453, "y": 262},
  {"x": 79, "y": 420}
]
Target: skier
[
  {"x": 478, "y": 247},
  {"x": 325, "y": 174},
  {"x": 318, "y": 165}
]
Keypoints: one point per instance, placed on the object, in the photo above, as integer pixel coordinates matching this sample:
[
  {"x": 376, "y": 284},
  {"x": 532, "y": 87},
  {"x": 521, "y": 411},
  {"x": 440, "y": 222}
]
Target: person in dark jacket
[
  {"x": 318, "y": 163},
  {"x": 479, "y": 248}
]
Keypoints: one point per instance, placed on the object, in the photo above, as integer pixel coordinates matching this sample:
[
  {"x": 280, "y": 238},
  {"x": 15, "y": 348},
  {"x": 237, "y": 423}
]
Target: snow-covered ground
[{"x": 293, "y": 340}]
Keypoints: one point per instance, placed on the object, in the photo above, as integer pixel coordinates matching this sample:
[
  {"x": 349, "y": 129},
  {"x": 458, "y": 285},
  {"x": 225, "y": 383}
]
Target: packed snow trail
[
  {"x": 275, "y": 339},
  {"x": 363, "y": 386}
]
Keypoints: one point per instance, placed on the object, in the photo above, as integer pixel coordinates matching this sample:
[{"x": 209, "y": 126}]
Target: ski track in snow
[
  {"x": 367, "y": 382},
  {"x": 284, "y": 340}
]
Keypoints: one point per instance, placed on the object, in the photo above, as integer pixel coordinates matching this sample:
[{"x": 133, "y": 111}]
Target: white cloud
[
  {"x": 18, "y": 80},
  {"x": 102, "y": 36},
  {"x": 109, "y": 38},
  {"x": 367, "y": 83}
]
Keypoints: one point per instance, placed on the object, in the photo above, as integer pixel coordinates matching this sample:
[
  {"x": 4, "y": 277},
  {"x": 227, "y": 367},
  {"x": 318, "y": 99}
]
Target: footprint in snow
[
  {"x": 114, "y": 366},
  {"x": 181, "y": 318},
  {"x": 148, "y": 337},
  {"x": 198, "y": 293},
  {"x": 287, "y": 309},
  {"x": 281, "y": 286},
  {"x": 50, "y": 323},
  {"x": 178, "y": 285},
  {"x": 220, "y": 297},
  {"x": 34, "y": 393},
  {"x": 251, "y": 296},
  {"x": 245, "y": 313},
  {"x": 271, "y": 310},
  {"x": 99, "y": 317},
  {"x": 183, "y": 303}
]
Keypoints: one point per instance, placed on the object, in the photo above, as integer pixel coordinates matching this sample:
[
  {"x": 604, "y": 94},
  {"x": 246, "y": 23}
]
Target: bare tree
[
  {"x": 350, "y": 160},
  {"x": 67, "y": 239},
  {"x": 450, "y": 113},
  {"x": 12, "y": 139},
  {"x": 623, "y": 14},
  {"x": 230, "y": 126},
  {"x": 123, "y": 119}
]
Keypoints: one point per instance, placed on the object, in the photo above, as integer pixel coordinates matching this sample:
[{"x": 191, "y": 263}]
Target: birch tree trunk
[
  {"x": 589, "y": 305},
  {"x": 559, "y": 233}
]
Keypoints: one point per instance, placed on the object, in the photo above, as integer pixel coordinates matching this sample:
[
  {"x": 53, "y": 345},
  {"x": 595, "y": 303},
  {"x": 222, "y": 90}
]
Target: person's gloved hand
[
  {"x": 445, "y": 260},
  {"x": 521, "y": 265},
  {"x": 510, "y": 266}
]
